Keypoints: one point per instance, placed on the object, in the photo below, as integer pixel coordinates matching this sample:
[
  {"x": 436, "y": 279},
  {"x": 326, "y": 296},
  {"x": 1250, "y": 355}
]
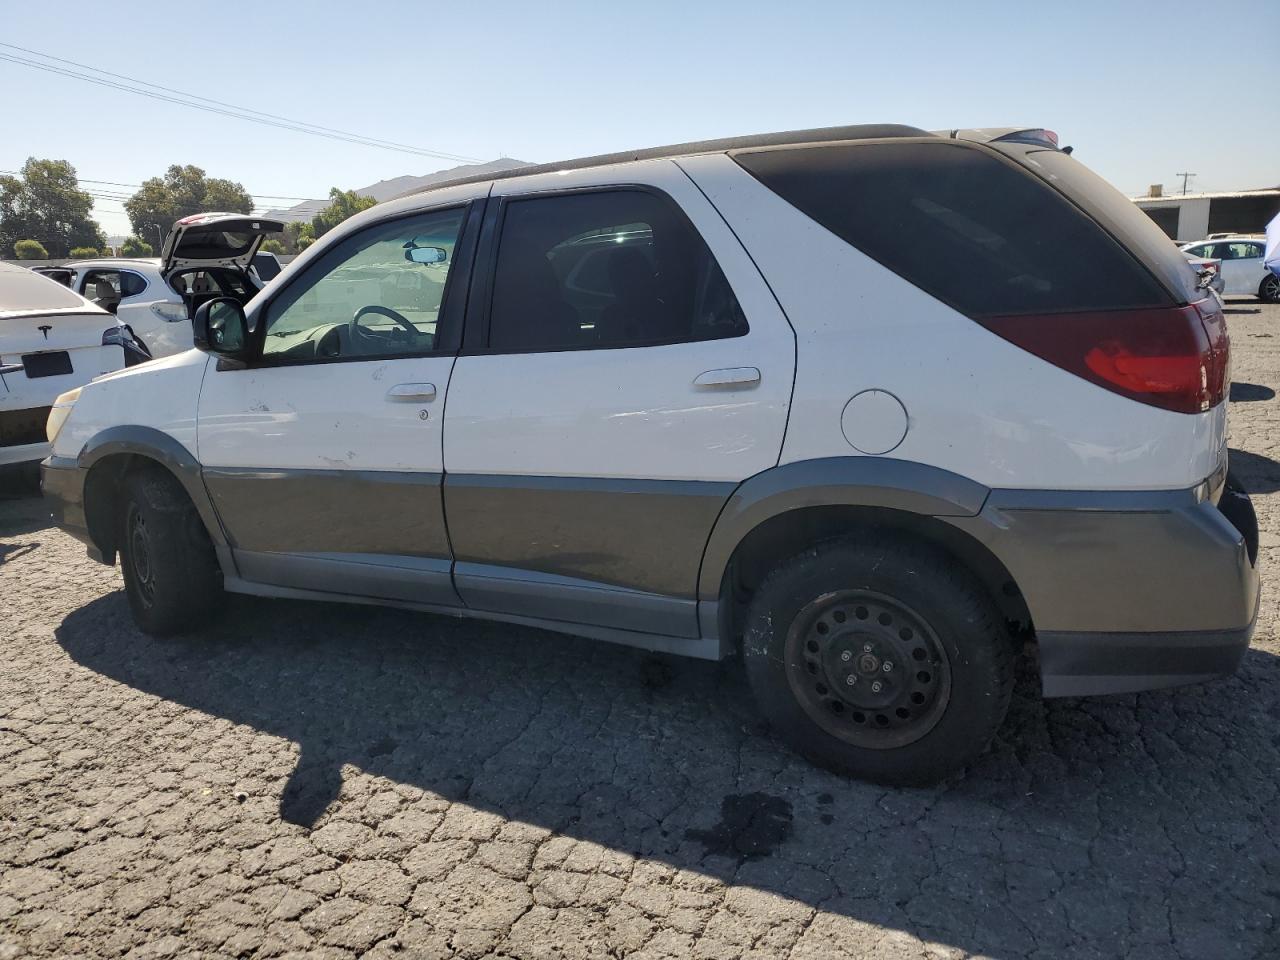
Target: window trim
[
  {"x": 452, "y": 301},
  {"x": 480, "y": 302}
]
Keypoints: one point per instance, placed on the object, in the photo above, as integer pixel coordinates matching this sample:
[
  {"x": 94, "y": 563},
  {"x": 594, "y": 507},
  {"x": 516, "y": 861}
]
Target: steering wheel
[{"x": 383, "y": 312}]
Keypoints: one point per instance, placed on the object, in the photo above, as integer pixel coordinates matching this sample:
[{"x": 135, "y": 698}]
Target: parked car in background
[
  {"x": 1243, "y": 271},
  {"x": 204, "y": 256},
  {"x": 51, "y": 340},
  {"x": 867, "y": 406}
]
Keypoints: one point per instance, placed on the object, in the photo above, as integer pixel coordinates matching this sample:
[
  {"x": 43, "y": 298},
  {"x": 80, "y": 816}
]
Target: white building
[{"x": 1193, "y": 216}]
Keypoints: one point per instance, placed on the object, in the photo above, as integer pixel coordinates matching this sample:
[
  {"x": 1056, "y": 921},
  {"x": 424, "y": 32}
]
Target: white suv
[{"x": 868, "y": 405}]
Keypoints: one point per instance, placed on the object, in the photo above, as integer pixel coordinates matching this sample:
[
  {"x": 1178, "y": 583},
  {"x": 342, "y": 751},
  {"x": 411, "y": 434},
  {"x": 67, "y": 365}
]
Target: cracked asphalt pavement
[{"x": 336, "y": 781}]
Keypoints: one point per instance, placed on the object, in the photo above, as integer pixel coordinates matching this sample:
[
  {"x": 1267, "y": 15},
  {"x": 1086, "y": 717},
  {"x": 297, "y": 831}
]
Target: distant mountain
[{"x": 386, "y": 189}]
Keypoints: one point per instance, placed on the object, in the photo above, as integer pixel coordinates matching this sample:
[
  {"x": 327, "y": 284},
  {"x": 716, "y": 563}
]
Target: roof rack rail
[{"x": 865, "y": 131}]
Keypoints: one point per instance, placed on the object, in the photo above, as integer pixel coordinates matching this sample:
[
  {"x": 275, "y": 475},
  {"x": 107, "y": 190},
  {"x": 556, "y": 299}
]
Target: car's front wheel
[
  {"x": 171, "y": 575},
  {"x": 1269, "y": 289},
  {"x": 880, "y": 658}
]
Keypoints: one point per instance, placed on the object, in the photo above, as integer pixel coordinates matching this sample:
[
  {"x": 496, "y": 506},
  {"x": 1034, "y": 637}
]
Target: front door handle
[
  {"x": 728, "y": 377},
  {"x": 412, "y": 393}
]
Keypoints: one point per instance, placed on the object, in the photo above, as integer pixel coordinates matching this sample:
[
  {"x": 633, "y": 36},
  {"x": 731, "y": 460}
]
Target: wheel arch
[
  {"x": 115, "y": 452},
  {"x": 780, "y": 512}
]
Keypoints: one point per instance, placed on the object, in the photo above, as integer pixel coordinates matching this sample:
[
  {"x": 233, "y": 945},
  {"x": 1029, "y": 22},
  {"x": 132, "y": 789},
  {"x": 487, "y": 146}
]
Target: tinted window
[
  {"x": 326, "y": 313},
  {"x": 963, "y": 225},
  {"x": 131, "y": 284},
  {"x": 606, "y": 270}
]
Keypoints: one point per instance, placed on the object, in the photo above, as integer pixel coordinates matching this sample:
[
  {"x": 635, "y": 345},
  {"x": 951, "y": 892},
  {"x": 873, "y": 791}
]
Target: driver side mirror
[{"x": 220, "y": 327}]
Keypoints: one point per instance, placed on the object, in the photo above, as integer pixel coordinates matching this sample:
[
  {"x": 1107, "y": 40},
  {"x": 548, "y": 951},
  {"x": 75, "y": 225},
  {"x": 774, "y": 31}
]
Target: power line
[{"x": 133, "y": 85}]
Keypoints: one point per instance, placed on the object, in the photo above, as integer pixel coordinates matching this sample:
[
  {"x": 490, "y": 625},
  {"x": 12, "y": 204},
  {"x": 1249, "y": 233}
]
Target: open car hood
[{"x": 214, "y": 240}]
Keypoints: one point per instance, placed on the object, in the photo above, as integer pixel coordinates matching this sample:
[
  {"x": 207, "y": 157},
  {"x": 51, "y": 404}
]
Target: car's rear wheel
[
  {"x": 879, "y": 658},
  {"x": 1269, "y": 289},
  {"x": 171, "y": 575}
]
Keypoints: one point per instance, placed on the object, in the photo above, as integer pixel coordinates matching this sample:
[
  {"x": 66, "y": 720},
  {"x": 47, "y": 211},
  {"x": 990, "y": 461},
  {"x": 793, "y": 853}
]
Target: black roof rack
[{"x": 863, "y": 131}]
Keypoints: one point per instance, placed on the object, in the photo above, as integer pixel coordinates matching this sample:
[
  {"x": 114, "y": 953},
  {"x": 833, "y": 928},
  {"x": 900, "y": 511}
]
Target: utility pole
[{"x": 1185, "y": 177}]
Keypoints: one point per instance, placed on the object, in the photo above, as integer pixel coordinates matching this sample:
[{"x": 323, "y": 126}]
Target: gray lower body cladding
[
  {"x": 1128, "y": 591},
  {"x": 396, "y": 513}
]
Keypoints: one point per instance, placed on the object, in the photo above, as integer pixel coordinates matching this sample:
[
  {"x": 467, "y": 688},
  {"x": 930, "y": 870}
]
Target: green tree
[
  {"x": 295, "y": 232},
  {"x": 136, "y": 247},
  {"x": 45, "y": 202},
  {"x": 272, "y": 245},
  {"x": 181, "y": 192},
  {"x": 30, "y": 250},
  {"x": 84, "y": 253},
  {"x": 342, "y": 204},
  {"x": 304, "y": 242}
]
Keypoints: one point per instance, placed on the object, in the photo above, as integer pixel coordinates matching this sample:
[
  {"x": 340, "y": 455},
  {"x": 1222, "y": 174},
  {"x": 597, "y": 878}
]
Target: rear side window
[
  {"x": 602, "y": 270},
  {"x": 963, "y": 225},
  {"x": 131, "y": 284}
]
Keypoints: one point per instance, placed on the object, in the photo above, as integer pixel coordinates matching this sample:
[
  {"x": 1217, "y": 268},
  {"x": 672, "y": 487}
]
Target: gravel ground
[{"x": 333, "y": 781}]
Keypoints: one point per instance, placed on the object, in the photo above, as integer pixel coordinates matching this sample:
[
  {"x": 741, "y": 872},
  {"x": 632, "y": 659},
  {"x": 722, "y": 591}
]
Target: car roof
[
  {"x": 863, "y": 131},
  {"x": 116, "y": 261},
  {"x": 1232, "y": 238},
  {"x": 25, "y": 293}
]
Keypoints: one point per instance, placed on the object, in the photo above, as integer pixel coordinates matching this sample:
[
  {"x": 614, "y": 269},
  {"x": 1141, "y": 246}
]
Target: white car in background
[
  {"x": 51, "y": 341},
  {"x": 1243, "y": 271},
  {"x": 205, "y": 256}
]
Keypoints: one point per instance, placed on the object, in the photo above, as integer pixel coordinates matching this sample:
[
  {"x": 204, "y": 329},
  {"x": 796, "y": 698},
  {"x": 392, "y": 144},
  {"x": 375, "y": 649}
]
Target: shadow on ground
[
  {"x": 1250, "y": 392},
  {"x": 1118, "y": 826},
  {"x": 1256, "y": 473}
]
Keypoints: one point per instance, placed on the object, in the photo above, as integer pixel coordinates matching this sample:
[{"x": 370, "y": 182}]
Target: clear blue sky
[{"x": 1142, "y": 90}]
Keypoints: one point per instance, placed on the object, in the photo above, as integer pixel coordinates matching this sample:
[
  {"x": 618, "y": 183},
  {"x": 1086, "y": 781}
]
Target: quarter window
[
  {"x": 607, "y": 269},
  {"x": 377, "y": 295},
  {"x": 963, "y": 225}
]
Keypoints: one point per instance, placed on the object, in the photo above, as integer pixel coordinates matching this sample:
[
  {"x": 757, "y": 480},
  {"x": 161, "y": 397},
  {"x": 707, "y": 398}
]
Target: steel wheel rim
[
  {"x": 901, "y": 671},
  {"x": 1271, "y": 288},
  {"x": 140, "y": 558}
]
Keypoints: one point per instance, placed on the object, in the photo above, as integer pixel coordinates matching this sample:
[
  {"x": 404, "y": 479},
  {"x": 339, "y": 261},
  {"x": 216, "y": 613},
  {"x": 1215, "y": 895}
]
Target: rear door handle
[
  {"x": 728, "y": 377},
  {"x": 412, "y": 393}
]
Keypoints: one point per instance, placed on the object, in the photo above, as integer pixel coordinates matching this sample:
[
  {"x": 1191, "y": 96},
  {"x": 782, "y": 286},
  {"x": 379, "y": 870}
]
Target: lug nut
[
  {"x": 846, "y": 655},
  {"x": 888, "y": 665},
  {"x": 877, "y": 687},
  {"x": 851, "y": 679},
  {"x": 866, "y": 648}
]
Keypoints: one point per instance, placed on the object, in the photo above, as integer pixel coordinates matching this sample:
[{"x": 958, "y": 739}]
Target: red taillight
[{"x": 1170, "y": 357}]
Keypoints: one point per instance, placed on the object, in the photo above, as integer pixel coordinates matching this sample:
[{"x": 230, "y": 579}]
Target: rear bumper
[
  {"x": 1130, "y": 591},
  {"x": 1090, "y": 664},
  {"x": 62, "y": 485}
]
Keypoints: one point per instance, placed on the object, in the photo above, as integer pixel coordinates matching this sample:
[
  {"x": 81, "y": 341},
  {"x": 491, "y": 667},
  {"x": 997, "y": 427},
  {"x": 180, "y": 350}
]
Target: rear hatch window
[
  {"x": 976, "y": 231},
  {"x": 1116, "y": 213}
]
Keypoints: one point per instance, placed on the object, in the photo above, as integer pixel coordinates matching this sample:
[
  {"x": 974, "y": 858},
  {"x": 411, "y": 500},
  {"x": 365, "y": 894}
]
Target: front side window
[
  {"x": 378, "y": 294},
  {"x": 607, "y": 269}
]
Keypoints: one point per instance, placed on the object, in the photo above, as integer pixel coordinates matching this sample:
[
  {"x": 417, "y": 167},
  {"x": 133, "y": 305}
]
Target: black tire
[
  {"x": 171, "y": 574},
  {"x": 949, "y": 674},
  {"x": 1269, "y": 289}
]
